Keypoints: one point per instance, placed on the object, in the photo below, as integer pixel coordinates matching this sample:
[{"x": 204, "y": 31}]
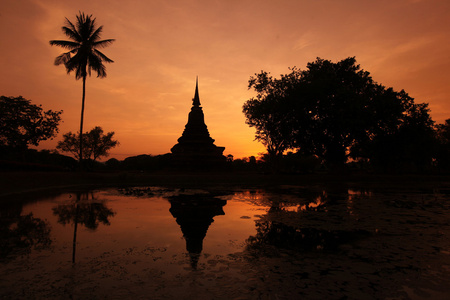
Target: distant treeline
[{"x": 289, "y": 163}]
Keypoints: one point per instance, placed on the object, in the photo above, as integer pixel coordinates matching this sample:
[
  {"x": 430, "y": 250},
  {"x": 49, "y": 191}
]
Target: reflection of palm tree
[
  {"x": 85, "y": 211},
  {"x": 83, "y": 55},
  {"x": 195, "y": 214}
]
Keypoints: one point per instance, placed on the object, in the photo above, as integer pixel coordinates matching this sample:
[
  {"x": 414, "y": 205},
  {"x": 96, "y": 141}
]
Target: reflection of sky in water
[
  {"x": 144, "y": 223},
  {"x": 348, "y": 239}
]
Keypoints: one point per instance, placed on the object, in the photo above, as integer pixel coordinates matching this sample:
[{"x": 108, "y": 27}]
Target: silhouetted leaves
[
  {"x": 83, "y": 55},
  {"x": 336, "y": 111},
  {"x": 23, "y": 123},
  {"x": 96, "y": 144}
]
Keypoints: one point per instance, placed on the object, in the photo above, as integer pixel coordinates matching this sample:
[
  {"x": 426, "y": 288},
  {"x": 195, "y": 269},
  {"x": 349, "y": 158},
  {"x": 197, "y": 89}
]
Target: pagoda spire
[
  {"x": 195, "y": 148},
  {"x": 196, "y": 99}
]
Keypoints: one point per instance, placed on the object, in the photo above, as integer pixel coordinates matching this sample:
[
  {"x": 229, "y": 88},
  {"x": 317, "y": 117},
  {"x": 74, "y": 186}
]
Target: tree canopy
[
  {"x": 83, "y": 55},
  {"x": 24, "y": 124},
  {"x": 96, "y": 143},
  {"x": 336, "y": 111}
]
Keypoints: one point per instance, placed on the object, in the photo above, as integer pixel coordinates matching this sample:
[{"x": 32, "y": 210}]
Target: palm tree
[{"x": 83, "y": 55}]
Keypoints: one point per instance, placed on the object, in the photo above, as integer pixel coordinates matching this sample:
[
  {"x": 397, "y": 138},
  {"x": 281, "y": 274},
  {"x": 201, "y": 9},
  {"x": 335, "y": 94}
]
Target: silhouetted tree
[
  {"x": 96, "y": 143},
  {"x": 334, "y": 111},
  {"x": 23, "y": 124},
  {"x": 443, "y": 132},
  {"x": 443, "y": 145},
  {"x": 408, "y": 146},
  {"x": 269, "y": 114},
  {"x": 299, "y": 163},
  {"x": 331, "y": 108},
  {"x": 83, "y": 55}
]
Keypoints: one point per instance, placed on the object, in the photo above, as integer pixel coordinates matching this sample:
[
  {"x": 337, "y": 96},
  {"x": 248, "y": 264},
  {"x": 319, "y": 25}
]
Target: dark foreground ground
[{"x": 14, "y": 183}]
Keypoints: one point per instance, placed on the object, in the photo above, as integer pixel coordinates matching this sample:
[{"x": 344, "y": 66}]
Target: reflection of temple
[
  {"x": 195, "y": 148},
  {"x": 195, "y": 214}
]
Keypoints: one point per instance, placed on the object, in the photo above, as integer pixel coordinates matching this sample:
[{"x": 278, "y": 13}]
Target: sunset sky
[{"x": 161, "y": 46}]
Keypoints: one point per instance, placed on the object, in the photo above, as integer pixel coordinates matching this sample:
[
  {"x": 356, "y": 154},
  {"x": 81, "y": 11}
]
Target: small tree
[
  {"x": 96, "y": 144},
  {"x": 23, "y": 124}
]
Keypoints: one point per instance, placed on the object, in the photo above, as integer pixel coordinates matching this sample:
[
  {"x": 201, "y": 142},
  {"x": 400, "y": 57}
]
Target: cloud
[{"x": 306, "y": 40}]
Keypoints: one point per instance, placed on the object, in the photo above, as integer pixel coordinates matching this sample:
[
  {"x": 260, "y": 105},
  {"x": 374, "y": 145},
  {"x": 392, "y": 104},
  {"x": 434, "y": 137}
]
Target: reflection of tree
[
  {"x": 21, "y": 233},
  {"x": 195, "y": 214},
  {"x": 320, "y": 223},
  {"x": 86, "y": 211},
  {"x": 288, "y": 237},
  {"x": 282, "y": 198},
  {"x": 88, "y": 214}
]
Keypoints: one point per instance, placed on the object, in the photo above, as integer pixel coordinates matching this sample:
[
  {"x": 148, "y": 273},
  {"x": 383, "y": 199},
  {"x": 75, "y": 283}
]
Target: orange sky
[{"x": 161, "y": 46}]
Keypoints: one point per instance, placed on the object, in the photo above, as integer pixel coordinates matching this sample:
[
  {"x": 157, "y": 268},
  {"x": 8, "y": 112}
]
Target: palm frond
[
  {"x": 70, "y": 65},
  {"x": 101, "y": 72},
  {"x": 65, "y": 44},
  {"x": 83, "y": 57},
  {"x": 82, "y": 19},
  {"x": 80, "y": 69},
  {"x": 104, "y": 43},
  {"x": 73, "y": 35},
  {"x": 96, "y": 64},
  {"x": 80, "y": 73},
  {"x": 70, "y": 25},
  {"x": 103, "y": 57},
  {"x": 78, "y": 64},
  {"x": 62, "y": 59},
  {"x": 90, "y": 29},
  {"x": 85, "y": 26},
  {"x": 95, "y": 36}
]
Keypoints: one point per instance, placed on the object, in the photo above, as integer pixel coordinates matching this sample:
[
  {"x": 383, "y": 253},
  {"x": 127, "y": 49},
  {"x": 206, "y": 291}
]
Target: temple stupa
[{"x": 195, "y": 147}]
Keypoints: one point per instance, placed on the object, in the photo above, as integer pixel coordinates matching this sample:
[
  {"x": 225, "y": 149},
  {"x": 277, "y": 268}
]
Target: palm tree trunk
[
  {"x": 74, "y": 244},
  {"x": 81, "y": 122}
]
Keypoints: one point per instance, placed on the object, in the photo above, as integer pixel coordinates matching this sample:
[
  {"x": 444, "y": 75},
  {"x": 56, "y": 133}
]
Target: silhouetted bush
[{"x": 34, "y": 160}]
